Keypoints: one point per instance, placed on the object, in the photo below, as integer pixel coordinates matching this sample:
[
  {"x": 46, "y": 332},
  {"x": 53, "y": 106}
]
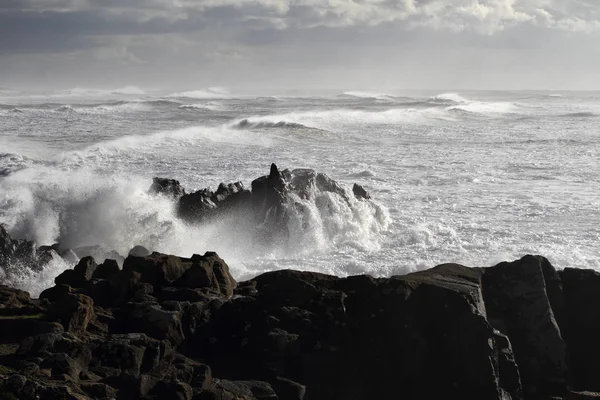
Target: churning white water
[{"x": 473, "y": 178}]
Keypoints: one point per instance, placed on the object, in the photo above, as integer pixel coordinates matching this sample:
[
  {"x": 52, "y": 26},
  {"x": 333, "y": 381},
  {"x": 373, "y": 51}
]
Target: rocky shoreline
[
  {"x": 159, "y": 326},
  {"x": 167, "y": 327}
]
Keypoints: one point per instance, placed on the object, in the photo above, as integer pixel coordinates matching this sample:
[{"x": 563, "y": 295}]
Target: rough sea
[{"x": 471, "y": 177}]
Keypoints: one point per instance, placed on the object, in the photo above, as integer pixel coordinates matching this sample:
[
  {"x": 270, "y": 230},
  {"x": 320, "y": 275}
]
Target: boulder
[
  {"x": 166, "y": 187},
  {"x": 139, "y": 251},
  {"x": 13, "y": 298},
  {"x": 74, "y": 311},
  {"x": 208, "y": 271},
  {"x": 197, "y": 206},
  {"x": 157, "y": 269},
  {"x": 151, "y": 319},
  {"x": 106, "y": 270},
  {"x": 360, "y": 192},
  {"x": 80, "y": 275}
]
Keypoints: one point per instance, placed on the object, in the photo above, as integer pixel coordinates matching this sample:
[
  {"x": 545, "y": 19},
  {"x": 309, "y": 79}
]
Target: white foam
[
  {"x": 80, "y": 208},
  {"x": 335, "y": 120},
  {"x": 454, "y": 97}
]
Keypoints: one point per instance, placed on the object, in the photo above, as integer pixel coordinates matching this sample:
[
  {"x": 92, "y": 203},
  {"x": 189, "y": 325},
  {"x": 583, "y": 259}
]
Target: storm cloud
[{"x": 404, "y": 43}]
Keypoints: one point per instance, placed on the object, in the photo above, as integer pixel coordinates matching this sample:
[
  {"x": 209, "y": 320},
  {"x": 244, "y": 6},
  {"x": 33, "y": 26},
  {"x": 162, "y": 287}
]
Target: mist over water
[{"x": 474, "y": 178}]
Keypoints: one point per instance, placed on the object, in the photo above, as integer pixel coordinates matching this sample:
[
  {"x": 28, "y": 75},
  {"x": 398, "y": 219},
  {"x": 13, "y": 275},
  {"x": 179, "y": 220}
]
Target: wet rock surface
[{"x": 172, "y": 327}]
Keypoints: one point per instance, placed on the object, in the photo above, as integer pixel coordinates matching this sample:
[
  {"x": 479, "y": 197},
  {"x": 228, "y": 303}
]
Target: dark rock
[
  {"x": 289, "y": 390},
  {"x": 582, "y": 294},
  {"x": 74, "y": 311},
  {"x": 157, "y": 269},
  {"x": 139, "y": 251},
  {"x": 78, "y": 276},
  {"x": 55, "y": 293},
  {"x": 172, "y": 390},
  {"x": 106, "y": 270},
  {"x": 99, "y": 390},
  {"x": 268, "y": 198},
  {"x": 242, "y": 390},
  {"x": 197, "y": 206},
  {"x": 13, "y": 298},
  {"x": 131, "y": 354},
  {"x": 167, "y": 187},
  {"x": 152, "y": 320},
  {"x": 518, "y": 305},
  {"x": 208, "y": 271},
  {"x": 360, "y": 192},
  {"x": 99, "y": 253},
  {"x": 16, "y": 382}
]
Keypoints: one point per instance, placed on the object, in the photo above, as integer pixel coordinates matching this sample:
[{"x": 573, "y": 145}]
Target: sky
[{"x": 301, "y": 44}]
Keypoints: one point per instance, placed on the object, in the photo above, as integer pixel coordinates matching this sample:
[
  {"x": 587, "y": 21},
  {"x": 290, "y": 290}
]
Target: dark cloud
[{"x": 359, "y": 41}]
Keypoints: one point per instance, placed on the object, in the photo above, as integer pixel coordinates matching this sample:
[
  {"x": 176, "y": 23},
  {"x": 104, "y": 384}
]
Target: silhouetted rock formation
[
  {"x": 171, "y": 327},
  {"x": 266, "y": 204}
]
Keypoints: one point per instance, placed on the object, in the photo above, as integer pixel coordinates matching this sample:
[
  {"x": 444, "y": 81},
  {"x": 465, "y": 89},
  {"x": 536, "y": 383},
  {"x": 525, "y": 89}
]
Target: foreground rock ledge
[{"x": 167, "y": 327}]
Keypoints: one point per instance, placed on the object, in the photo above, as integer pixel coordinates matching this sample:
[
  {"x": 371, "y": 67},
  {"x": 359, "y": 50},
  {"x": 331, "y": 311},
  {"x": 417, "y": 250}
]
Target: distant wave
[
  {"x": 65, "y": 108},
  {"x": 91, "y": 92},
  {"x": 448, "y": 97},
  {"x": 202, "y": 107},
  {"x": 209, "y": 93},
  {"x": 253, "y": 123},
  {"x": 368, "y": 95},
  {"x": 456, "y": 102},
  {"x": 334, "y": 120},
  {"x": 477, "y": 107},
  {"x": 555, "y": 95},
  {"x": 581, "y": 114}
]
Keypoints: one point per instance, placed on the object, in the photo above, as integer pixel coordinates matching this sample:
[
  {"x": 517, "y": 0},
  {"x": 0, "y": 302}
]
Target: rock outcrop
[
  {"x": 167, "y": 327},
  {"x": 265, "y": 204}
]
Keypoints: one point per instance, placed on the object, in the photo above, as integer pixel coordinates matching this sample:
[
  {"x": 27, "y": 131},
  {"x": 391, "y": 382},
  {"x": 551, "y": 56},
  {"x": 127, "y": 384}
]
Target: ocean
[{"x": 472, "y": 177}]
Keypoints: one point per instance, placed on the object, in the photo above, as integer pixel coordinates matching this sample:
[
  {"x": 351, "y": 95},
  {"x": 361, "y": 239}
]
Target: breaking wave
[
  {"x": 81, "y": 208},
  {"x": 369, "y": 95},
  {"x": 210, "y": 93},
  {"x": 256, "y": 123}
]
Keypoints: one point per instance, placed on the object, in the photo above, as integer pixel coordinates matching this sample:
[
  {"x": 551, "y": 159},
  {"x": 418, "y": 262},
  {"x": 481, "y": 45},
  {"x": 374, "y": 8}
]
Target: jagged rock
[
  {"x": 196, "y": 206},
  {"x": 208, "y": 271},
  {"x": 157, "y": 269},
  {"x": 106, "y": 270},
  {"x": 13, "y": 298},
  {"x": 164, "y": 325},
  {"x": 167, "y": 187},
  {"x": 151, "y": 319},
  {"x": 360, "y": 192},
  {"x": 518, "y": 305},
  {"x": 131, "y": 354},
  {"x": 268, "y": 197},
  {"x": 78, "y": 276},
  {"x": 74, "y": 311},
  {"x": 99, "y": 253}
]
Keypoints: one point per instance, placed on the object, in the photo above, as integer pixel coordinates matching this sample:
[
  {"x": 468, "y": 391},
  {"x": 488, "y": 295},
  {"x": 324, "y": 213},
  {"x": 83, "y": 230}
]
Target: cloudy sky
[{"x": 350, "y": 44}]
